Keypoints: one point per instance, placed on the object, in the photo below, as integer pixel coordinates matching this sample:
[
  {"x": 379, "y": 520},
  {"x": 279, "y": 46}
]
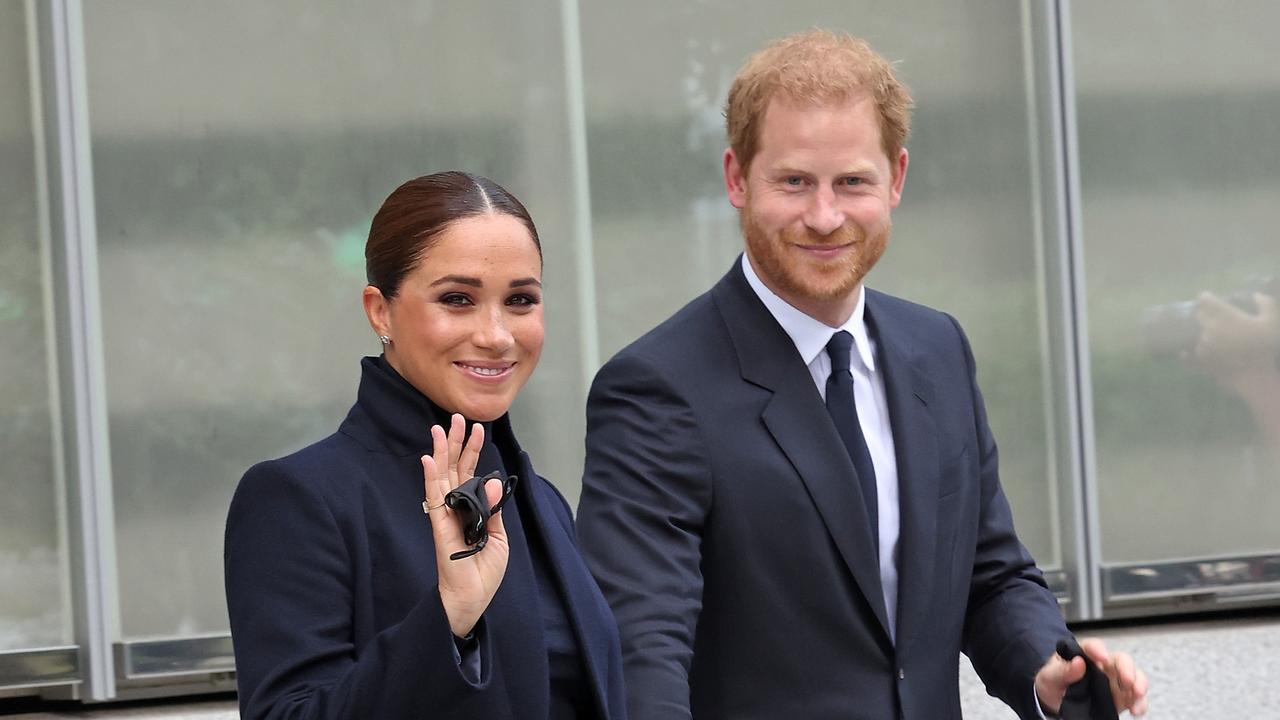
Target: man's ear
[
  {"x": 378, "y": 310},
  {"x": 735, "y": 180},
  {"x": 899, "y": 177}
]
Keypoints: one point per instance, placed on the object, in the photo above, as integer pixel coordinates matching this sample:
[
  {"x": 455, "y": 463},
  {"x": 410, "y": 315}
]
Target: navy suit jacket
[
  {"x": 332, "y": 589},
  {"x": 721, "y": 515}
]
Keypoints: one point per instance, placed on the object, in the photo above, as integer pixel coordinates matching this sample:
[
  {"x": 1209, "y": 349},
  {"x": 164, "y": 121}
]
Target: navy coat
[
  {"x": 721, "y": 515},
  {"x": 332, "y": 589}
]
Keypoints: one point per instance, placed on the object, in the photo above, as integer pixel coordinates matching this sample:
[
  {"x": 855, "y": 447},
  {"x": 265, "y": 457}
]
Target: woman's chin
[{"x": 487, "y": 411}]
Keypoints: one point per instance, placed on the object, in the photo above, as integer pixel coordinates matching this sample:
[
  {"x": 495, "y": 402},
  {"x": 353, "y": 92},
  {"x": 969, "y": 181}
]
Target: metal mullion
[
  {"x": 44, "y": 233},
  {"x": 580, "y": 194},
  {"x": 1043, "y": 207},
  {"x": 80, "y": 334},
  {"x": 1078, "y": 355},
  {"x": 1053, "y": 197}
]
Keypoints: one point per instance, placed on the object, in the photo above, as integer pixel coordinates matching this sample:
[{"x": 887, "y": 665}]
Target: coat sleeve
[
  {"x": 646, "y": 493},
  {"x": 1012, "y": 621},
  {"x": 289, "y": 579}
]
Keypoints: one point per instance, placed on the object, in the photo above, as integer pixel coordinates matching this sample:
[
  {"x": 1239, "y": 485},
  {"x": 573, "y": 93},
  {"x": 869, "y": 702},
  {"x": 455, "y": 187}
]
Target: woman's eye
[
  {"x": 524, "y": 299},
  {"x": 455, "y": 299}
]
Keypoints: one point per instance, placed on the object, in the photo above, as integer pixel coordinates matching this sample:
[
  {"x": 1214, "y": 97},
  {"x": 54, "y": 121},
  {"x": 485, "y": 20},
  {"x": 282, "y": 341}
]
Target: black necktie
[{"x": 844, "y": 413}]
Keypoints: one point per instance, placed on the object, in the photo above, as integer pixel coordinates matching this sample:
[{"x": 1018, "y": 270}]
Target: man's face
[{"x": 816, "y": 202}]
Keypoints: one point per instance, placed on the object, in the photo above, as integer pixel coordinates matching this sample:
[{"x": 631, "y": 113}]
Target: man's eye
[
  {"x": 853, "y": 181},
  {"x": 794, "y": 180}
]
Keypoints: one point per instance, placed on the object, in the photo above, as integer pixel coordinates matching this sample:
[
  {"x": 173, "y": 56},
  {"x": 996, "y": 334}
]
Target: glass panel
[
  {"x": 240, "y": 150},
  {"x": 34, "y": 595},
  {"x": 966, "y": 237},
  {"x": 1180, "y": 166}
]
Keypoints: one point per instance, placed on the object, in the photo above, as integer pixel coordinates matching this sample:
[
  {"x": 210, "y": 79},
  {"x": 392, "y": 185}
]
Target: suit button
[{"x": 902, "y": 674}]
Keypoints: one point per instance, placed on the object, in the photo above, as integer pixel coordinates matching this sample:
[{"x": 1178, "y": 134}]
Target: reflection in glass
[
  {"x": 34, "y": 607},
  {"x": 1179, "y": 153}
]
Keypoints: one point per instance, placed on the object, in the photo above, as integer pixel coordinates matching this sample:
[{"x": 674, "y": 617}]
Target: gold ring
[{"x": 427, "y": 507}]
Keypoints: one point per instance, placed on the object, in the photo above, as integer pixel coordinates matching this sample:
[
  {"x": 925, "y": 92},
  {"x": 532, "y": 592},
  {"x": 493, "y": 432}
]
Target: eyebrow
[
  {"x": 860, "y": 168},
  {"x": 459, "y": 279},
  {"x": 477, "y": 282}
]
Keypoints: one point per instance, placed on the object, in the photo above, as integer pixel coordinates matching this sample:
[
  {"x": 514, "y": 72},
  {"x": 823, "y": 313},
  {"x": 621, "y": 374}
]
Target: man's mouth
[{"x": 825, "y": 251}]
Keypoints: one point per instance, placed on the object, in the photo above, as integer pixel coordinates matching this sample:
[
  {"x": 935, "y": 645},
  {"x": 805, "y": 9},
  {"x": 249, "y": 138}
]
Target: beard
[{"x": 807, "y": 278}]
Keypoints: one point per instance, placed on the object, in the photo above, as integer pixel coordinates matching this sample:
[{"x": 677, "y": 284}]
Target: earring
[{"x": 385, "y": 340}]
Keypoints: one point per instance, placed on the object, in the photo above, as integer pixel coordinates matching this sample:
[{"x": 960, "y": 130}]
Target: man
[{"x": 779, "y": 538}]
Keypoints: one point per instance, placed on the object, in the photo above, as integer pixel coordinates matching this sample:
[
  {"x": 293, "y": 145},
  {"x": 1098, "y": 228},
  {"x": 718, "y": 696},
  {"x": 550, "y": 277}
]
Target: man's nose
[{"x": 823, "y": 217}]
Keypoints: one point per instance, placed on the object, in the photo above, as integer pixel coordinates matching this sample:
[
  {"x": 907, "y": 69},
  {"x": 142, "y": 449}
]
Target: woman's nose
[{"x": 493, "y": 333}]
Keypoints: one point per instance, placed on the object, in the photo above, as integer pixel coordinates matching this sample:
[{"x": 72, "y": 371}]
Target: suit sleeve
[
  {"x": 289, "y": 583},
  {"x": 646, "y": 493},
  {"x": 1013, "y": 621}
]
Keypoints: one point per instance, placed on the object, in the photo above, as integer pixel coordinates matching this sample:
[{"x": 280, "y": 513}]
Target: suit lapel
[
  {"x": 909, "y": 392},
  {"x": 799, "y": 423}
]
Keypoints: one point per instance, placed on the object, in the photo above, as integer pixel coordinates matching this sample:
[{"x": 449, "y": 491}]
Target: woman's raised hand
[{"x": 467, "y": 585}]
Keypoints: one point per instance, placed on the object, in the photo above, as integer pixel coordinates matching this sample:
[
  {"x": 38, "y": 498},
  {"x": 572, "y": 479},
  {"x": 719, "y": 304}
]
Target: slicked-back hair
[{"x": 414, "y": 215}]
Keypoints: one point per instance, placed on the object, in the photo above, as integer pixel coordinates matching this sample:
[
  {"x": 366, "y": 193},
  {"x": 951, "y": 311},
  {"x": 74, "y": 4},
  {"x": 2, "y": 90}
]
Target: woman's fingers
[
  {"x": 453, "y": 461},
  {"x": 463, "y": 449},
  {"x": 440, "y": 454},
  {"x": 457, "y": 433},
  {"x": 433, "y": 493},
  {"x": 442, "y": 528},
  {"x": 493, "y": 494},
  {"x": 471, "y": 452}
]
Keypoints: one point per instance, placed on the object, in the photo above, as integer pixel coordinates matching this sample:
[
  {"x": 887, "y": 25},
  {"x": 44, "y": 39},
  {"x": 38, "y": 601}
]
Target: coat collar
[
  {"x": 391, "y": 415},
  {"x": 797, "y": 419}
]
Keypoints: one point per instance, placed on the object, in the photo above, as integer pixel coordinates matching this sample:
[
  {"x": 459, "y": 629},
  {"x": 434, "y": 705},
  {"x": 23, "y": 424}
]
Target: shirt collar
[{"x": 810, "y": 335}]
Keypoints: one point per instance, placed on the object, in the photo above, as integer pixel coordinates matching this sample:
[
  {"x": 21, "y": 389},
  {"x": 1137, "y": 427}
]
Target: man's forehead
[
  {"x": 787, "y": 116},
  {"x": 796, "y": 133}
]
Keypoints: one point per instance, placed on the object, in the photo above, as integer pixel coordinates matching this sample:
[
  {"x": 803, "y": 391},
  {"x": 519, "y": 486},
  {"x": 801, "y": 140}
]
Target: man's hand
[{"x": 1128, "y": 683}]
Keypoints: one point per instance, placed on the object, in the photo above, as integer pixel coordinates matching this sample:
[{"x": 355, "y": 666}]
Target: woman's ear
[{"x": 378, "y": 309}]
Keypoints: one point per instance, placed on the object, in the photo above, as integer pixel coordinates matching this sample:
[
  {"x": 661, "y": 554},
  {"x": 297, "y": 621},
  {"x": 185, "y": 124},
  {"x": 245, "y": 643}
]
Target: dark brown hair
[{"x": 414, "y": 214}]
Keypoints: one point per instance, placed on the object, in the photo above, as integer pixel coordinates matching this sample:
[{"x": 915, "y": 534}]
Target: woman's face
[{"x": 466, "y": 325}]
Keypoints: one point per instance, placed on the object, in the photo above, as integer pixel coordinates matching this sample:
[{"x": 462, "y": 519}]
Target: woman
[{"x": 343, "y": 599}]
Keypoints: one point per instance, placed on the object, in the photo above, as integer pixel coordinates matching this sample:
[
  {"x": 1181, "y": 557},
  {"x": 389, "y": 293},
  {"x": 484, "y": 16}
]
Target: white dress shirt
[{"x": 811, "y": 337}]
